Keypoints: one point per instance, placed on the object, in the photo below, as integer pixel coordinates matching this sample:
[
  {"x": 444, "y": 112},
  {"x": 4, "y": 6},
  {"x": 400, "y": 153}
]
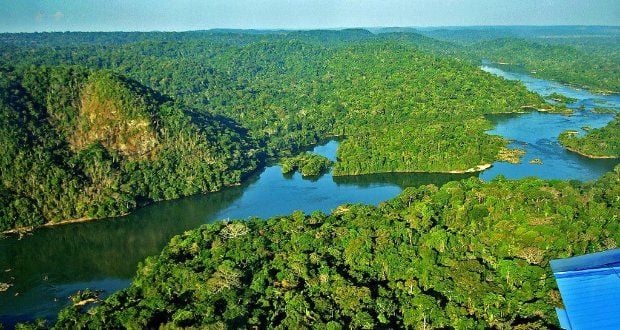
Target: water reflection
[{"x": 400, "y": 180}]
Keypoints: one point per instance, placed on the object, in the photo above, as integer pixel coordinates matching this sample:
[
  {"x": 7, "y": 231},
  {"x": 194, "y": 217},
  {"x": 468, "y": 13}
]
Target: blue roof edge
[
  {"x": 563, "y": 318},
  {"x": 608, "y": 258}
]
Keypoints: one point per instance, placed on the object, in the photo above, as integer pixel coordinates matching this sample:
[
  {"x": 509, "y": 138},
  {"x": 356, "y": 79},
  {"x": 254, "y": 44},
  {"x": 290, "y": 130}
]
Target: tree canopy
[
  {"x": 597, "y": 143},
  {"x": 96, "y": 131},
  {"x": 468, "y": 254},
  {"x": 82, "y": 144}
]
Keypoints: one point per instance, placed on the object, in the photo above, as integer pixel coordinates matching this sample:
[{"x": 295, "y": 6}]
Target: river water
[
  {"x": 52, "y": 263},
  {"x": 537, "y": 133}
]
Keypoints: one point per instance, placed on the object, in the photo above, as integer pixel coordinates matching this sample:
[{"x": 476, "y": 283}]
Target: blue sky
[{"x": 180, "y": 15}]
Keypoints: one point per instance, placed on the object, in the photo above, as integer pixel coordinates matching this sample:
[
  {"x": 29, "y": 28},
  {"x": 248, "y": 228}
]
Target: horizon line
[{"x": 275, "y": 29}]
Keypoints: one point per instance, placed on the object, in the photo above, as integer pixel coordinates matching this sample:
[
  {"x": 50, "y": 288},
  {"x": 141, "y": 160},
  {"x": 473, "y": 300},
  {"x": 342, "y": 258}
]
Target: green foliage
[
  {"x": 307, "y": 164},
  {"x": 597, "y": 143},
  {"x": 39, "y": 324},
  {"x": 469, "y": 254},
  {"x": 595, "y": 68},
  {"x": 561, "y": 98},
  {"x": 89, "y": 145},
  {"x": 400, "y": 108}
]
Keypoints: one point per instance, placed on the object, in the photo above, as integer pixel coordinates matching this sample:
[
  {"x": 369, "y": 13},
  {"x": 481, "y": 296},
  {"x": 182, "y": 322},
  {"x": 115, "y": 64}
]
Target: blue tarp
[{"x": 590, "y": 289}]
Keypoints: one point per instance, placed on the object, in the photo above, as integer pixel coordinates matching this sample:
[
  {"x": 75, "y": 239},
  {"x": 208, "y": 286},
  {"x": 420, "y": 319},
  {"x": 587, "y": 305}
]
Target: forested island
[
  {"x": 597, "y": 143},
  {"x": 306, "y": 163}
]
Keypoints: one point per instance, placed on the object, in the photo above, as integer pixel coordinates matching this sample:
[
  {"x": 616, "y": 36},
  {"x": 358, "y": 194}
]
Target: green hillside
[{"x": 81, "y": 144}]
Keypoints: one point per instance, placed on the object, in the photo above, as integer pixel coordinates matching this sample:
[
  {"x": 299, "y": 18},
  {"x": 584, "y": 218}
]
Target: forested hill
[
  {"x": 88, "y": 144},
  {"x": 290, "y": 90},
  {"x": 466, "y": 255}
]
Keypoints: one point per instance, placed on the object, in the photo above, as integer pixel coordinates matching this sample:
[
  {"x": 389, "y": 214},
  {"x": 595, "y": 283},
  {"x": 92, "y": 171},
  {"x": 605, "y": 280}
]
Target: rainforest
[
  {"x": 265, "y": 96},
  {"x": 97, "y": 125}
]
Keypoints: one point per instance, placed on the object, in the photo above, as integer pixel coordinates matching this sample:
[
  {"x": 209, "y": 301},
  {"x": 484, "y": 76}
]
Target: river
[
  {"x": 50, "y": 264},
  {"x": 537, "y": 133}
]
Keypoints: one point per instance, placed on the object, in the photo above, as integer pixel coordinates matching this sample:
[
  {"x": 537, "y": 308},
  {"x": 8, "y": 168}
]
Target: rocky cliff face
[{"x": 111, "y": 114}]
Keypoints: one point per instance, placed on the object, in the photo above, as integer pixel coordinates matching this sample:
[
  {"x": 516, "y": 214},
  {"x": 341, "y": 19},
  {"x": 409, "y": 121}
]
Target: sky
[{"x": 183, "y": 15}]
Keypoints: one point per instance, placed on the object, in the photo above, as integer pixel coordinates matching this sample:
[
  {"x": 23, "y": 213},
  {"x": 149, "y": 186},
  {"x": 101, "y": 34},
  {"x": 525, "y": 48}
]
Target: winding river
[
  {"x": 46, "y": 267},
  {"x": 537, "y": 133}
]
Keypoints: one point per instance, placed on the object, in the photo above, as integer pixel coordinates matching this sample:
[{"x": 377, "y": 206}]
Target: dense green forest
[
  {"x": 468, "y": 254},
  {"x": 289, "y": 90},
  {"x": 596, "y": 69},
  {"x": 96, "y": 124},
  {"x": 583, "y": 56},
  {"x": 306, "y": 163},
  {"x": 597, "y": 143},
  {"x": 401, "y": 101},
  {"x": 426, "y": 116},
  {"x": 90, "y": 144}
]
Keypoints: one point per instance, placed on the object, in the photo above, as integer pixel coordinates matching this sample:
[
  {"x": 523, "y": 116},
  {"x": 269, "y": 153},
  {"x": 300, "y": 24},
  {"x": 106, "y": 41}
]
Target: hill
[{"x": 89, "y": 144}]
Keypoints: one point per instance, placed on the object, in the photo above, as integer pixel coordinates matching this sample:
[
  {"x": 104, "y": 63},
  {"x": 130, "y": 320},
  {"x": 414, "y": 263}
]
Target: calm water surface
[
  {"x": 537, "y": 133},
  {"x": 49, "y": 265}
]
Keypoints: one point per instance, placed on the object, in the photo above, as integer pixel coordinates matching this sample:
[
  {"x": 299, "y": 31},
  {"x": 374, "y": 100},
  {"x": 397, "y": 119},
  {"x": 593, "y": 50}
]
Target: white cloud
[{"x": 58, "y": 15}]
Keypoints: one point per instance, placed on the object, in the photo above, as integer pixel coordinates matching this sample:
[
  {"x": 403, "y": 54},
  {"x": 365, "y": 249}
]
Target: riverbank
[
  {"x": 589, "y": 155},
  {"x": 537, "y": 74},
  {"x": 28, "y": 229},
  {"x": 477, "y": 168}
]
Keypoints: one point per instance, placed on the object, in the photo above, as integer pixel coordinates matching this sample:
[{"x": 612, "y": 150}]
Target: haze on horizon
[{"x": 182, "y": 15}]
